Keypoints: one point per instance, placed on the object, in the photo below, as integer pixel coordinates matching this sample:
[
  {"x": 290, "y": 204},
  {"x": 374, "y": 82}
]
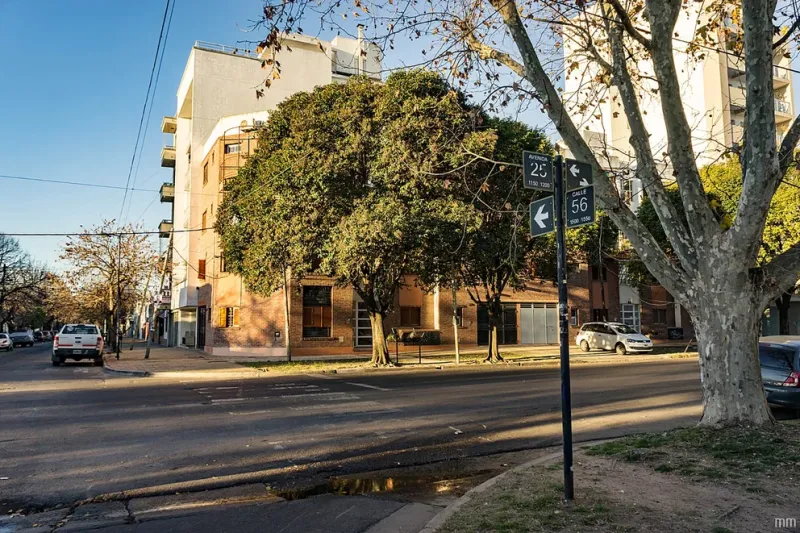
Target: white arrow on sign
[
  {"x": 541, "y": 216},
  {"x": 584, "y": 183},
  {"x": 574, "y": 170}
]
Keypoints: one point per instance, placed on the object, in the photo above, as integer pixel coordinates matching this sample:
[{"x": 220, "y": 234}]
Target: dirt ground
[{"x": 654, "y": 483}]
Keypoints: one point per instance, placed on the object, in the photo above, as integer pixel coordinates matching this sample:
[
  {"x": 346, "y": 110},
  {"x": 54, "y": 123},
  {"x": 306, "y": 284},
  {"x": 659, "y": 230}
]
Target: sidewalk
[{"x": 176, "y": 362}]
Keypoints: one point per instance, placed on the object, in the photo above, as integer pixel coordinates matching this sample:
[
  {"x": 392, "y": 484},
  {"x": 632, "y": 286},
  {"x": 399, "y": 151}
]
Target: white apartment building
[
  {"x": 218, "y": 91},
  {"x": 713, "y": 91}
]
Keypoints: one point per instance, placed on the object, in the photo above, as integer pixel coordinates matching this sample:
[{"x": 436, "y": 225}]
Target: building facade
[
  {"x": 713, "y": 87},
  {"x": 220, "y": 82}
]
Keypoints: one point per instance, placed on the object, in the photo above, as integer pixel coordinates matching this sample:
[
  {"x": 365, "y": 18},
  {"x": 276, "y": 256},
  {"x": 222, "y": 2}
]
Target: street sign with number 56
[{"x": 580, "y": 207}]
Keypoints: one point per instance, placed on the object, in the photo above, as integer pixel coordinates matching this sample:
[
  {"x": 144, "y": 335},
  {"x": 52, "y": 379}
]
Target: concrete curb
[
  {"x": 439, "y": 520},
  {"x": 128, "y": 373}
]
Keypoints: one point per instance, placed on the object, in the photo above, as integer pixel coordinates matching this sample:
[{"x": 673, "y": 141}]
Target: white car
[
  {"x": 6, "y": 343},
  {"x": 613, "y": 336}
]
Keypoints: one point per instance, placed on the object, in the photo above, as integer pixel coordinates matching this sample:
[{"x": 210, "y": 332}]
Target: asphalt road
[{"x": 72, "y": 432}]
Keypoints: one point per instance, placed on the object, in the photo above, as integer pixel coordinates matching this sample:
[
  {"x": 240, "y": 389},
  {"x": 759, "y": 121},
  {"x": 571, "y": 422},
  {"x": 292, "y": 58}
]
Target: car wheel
[
  {"x": 621, "y": 349},
  {"x": 584, "y": 346}
]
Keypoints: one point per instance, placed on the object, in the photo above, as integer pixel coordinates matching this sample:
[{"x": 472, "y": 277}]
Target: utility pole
[
  {"x": 455, "y": 324},
  {"x": 566, "y": 399},
  {"x": 119, "y": 290},
  {"x": 160, "y": 288}
]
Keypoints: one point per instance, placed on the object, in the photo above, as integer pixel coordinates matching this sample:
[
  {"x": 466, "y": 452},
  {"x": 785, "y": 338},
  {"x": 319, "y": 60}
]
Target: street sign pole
[{"x": 566, "y": 401}]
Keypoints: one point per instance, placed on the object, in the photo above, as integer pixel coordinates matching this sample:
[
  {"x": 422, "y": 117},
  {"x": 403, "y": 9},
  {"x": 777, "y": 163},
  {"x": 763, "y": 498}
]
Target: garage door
[{"x": 539, "y": 323}]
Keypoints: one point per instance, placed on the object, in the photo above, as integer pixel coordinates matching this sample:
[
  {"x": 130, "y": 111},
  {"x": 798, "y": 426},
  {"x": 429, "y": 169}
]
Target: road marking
[
  {"x": 322, "y": 395},
  {"x": 336, "y": 406},
  {"x": 248, "y": 413},
  {"x": 290, "y": 387},
  {"x": 230, "y": 400},
  {"x": 367, "y": 386},
  {"x": 321, "y": 376},
  {"x": 217, "y": 388},
  {"x": 457, "y": 431}
]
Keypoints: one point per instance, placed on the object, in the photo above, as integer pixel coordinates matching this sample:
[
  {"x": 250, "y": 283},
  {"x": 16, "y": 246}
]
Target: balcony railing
[
  {"x": 782, "y": 106},
  {"x": 168, "y": 156},
  {"x": 780, "y": 73},
  {"x": 165, "y": 228},
  {"x": 167, "y": 192},
  {"x": 225, "y": 49}
]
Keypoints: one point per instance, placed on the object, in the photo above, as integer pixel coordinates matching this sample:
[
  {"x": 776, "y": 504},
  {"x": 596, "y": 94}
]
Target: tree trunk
[
  {"x": 286, "y": 316},
  {"x": 729, "y": 368},
  {"x": 783, "y": 304},
  {"x": 494, "y": 311},
  {"x": 380, "y": 350}
]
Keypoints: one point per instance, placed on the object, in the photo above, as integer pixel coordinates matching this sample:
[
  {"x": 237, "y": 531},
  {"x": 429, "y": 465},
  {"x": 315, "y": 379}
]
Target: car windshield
[
  {"x": 622, "y": 328},
  {"x": 3, "y": 336},
  {"x": 79, "y": 330}
]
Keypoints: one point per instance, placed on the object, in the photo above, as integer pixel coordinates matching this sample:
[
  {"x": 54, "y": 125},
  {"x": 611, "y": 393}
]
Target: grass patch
[
  {"x": 713, "y": 454},
  {"x": 527, "y": 502},
  {"x": 305, "y": 366}
]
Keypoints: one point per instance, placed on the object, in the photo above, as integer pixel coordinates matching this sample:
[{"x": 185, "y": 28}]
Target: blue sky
[{"x": 73, "y": 76}]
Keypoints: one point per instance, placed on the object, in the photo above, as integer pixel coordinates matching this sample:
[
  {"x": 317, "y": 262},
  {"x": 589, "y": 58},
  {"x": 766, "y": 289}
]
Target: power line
[
  {"x": 144, "y": 107},
  {"x": 155, "y": 88},
  {"x": 86, "y": 184}
]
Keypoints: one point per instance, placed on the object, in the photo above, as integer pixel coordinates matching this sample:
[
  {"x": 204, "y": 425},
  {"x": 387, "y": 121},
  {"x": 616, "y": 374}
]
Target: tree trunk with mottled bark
[
  {"x": 729, "y": 366},
  {"x": 380, "y": 350},
  {"x": 494, "y": 310}
]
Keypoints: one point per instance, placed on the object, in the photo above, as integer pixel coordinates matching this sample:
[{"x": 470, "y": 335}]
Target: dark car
[
  {"x": 38, "y": 336},
  {"x": 780, "y": 373}
]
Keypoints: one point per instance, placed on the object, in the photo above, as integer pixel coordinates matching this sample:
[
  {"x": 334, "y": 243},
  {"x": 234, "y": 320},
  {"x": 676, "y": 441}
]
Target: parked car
[
  {"x": 780, "y": 372},
  {"x": 38, "y": 336},
  {"x": 614, "y": 336},
  {"x": 22, "y": 338},
  {"x": 6, "y": 343},
  {"x": 78, "y": 342},
  {"x": 47, "y": 335}
]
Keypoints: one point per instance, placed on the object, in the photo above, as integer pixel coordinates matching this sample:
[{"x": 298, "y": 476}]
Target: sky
[{"x": 73, "y": 78}]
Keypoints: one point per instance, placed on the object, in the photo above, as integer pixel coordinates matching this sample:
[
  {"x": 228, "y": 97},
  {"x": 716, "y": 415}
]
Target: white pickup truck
[{"x": 78, "y": 341}]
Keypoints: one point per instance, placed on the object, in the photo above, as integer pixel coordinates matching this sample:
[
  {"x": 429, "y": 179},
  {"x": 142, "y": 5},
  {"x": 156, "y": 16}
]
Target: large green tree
[
  {"x": 349, "y": 181},
  {"x": 497, "y": 254}
]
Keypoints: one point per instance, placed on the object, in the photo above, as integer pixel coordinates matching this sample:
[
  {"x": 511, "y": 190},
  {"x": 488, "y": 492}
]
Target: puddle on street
[{"x": 399, "y": 485}]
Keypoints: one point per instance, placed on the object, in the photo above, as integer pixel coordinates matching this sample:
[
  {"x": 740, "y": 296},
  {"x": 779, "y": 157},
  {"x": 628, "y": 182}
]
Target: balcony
[
  {"x": 167, "y": 192},
  {"x": 168, "y": 156},
  {"x": 781, "y": 76},
  {"x": 164, "y": 229},
  {"x": 738, "y": 98},
  {"x": 783, "y": 110},
  {"x": 169, "y": 125}
]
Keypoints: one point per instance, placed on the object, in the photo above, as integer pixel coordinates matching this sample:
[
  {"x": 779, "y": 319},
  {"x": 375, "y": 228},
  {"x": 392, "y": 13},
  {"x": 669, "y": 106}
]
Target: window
[
  {"x": 228, "y": 317},
  {"x": 631, "y": 316},
  {"x": 659, "y": 316},
  {"x": 201, "y": 269},
  {"x": 203, "y": 220},
  {"x": 599, "y": 315},
  {"x": 627, "y": 190},
  {"x": 775, "y": 357},
  {"x": 410, "y": 316},
  {"x": 573, "y": 317},
  {"x": 212, "y": 158},
  {"x": 233, "y": 148},
  {"x": 599, "y": 271},
  {"x": 205, "y": 173},
  {"x": 460, "y": 317},
  {"x": 222, "y": 266},
  {"x": 317, "y": 312}
]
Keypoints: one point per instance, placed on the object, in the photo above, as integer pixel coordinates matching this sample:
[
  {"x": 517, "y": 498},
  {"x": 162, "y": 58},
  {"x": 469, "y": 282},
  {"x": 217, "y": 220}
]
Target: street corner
[{"x": 114, "y": 367}]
